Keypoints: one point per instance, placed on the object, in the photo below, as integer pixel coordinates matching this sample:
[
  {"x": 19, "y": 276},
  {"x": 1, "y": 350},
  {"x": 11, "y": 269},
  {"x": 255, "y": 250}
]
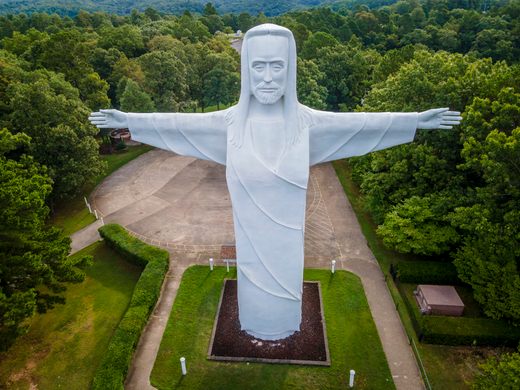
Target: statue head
[
  {"x": 268, "y": 74},
  {"x": 267, "y": 60}
]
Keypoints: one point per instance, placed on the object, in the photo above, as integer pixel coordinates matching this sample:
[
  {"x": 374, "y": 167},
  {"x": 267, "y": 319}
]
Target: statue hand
[
  {"x": 109, "y": 119},
  {"x": 438, "y": 118}
]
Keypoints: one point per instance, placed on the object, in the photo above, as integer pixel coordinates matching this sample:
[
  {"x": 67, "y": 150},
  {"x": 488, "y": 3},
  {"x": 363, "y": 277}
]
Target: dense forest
[
  {"x": 451, "y": 196},
  {"x": 125, "y": 7}
]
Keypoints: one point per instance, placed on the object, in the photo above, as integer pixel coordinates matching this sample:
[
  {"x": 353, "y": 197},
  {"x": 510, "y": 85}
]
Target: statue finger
[
  {"x": 445, "y": 127},
  {"x": 439, "y": 110},
  {"x": 451, "y": 118},
  {"x": 107, "y": 110},
  {"x": 96, "y": 118},
  {"x": 453, "y": 113},
  {"x": 449, "y": 122}
]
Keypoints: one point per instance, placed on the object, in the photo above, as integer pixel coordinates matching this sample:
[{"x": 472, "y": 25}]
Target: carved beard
[{"x": 268, "y": 97}]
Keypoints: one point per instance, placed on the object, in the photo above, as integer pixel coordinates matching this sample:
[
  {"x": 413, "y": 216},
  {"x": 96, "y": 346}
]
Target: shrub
[
  {"x": 499, "y": 374},
  {"x": 114, "y": 366},
  {"x": 120, "y": 146},
  {"x": 468, "y": 331},
  {"x": 427, "y": 272}
]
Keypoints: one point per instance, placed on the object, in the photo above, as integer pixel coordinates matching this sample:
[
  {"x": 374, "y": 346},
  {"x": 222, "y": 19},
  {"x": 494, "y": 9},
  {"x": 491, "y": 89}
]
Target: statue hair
[{"x": 237, "y": 119}]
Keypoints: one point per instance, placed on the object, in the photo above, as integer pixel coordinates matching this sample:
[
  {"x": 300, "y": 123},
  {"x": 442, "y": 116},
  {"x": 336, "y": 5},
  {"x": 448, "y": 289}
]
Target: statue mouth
[{"x": 268, "y": 93}]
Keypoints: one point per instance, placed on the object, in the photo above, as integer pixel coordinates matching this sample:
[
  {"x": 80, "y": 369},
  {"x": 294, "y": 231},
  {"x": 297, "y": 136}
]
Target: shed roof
[{"x": 440, "y": 295}]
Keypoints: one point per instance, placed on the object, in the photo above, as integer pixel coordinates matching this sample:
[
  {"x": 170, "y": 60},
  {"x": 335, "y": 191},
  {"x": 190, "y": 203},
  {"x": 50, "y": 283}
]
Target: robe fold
[{"x": 268, "y": 193}]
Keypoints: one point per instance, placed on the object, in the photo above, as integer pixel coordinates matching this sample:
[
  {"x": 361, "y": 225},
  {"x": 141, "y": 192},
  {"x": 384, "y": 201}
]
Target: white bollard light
[
  {"x": 227, "y": 265},
  {"x": 351, "y": 381},
  {"x": 95, "y": 214},
  {"x": 211, "y": 263},
  {"x": 333, "y": 266},
  {"x": 183, "y": 365}
]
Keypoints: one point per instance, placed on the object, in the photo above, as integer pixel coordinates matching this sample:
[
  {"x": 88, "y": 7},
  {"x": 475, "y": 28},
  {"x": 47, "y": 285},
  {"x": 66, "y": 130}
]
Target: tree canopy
[
  {"x": 450, "y": 195},
  {"x": 34, "y": 264}
]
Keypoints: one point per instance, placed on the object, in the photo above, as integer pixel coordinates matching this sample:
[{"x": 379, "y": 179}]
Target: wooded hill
[{"x": 125, "y": 7}]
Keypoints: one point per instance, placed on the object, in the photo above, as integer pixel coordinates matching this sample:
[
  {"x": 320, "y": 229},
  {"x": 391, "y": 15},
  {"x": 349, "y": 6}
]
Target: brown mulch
[{"x": 307, "y": 346}]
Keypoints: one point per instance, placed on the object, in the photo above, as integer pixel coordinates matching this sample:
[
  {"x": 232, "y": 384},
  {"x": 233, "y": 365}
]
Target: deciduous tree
[
  {"x": 134, "y": 99},
  {"x": 502, "y": 373},
  {"x": 34, "y": 264},
  {"x": 165, "y": 79},
  {"x": 48, "y": 108}
]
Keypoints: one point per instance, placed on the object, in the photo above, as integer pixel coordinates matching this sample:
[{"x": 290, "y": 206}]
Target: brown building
[{"x": 439, "y": 300}]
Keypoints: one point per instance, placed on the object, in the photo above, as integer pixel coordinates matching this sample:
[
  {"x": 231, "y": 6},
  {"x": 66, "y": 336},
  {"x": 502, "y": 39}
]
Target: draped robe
[{"x": 268, "y": 197}]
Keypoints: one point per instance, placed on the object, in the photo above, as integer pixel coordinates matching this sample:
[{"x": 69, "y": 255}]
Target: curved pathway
[{"x": 183, "y": 205}]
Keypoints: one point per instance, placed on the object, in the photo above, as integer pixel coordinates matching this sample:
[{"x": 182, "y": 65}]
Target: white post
[
  {"x": 333, "y": 266},
  {"x": 86, "y": 201},
  {"x": 211, "y": 263},
  {"x": 95, "y": 214},
  {"x": 183, "y": 365},
  {"x": 351, "y": 381},
  {"x": 227, "y": 265},
  {"x": 102, "y": 222}
]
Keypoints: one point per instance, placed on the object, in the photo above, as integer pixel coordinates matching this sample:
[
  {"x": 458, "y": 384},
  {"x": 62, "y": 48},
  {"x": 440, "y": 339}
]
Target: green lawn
[
  {"x": 72, "y": 215},
  {"x": 64, "y": 345},
  {"x": 353, "y": 341},
  {"x": 450, "y": 368}
]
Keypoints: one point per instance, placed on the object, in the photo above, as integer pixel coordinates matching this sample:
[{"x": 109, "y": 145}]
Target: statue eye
[
  {"x": 258, "y": 67},
  {"x": 277, "y": 67}
]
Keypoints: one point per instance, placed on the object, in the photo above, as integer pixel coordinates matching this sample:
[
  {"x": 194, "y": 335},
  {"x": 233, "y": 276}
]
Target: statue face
[{"x": 268, "y": 56}]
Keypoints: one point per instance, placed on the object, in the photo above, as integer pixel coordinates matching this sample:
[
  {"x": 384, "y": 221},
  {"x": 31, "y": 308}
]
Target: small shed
[{"x": 439, "y": 300}]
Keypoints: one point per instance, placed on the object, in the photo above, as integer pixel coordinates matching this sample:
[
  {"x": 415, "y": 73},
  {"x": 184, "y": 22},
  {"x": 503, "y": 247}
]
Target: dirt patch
[
  {"x": 307, "y": 346},
  {"x": 26, "y": 374}
]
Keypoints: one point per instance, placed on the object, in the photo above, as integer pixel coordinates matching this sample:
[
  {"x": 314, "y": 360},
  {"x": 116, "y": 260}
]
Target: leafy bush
[
  {"x": 427, "y": 272},
  {"x": 499, "y": 374},
  {"x": 112, "y": 371},
  {"x": 120, "y": 146},
  {"x": 468, "y": 331}
]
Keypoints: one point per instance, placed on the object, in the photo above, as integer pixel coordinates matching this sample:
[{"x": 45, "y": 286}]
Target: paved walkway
[{"x": 182, "y": 204}]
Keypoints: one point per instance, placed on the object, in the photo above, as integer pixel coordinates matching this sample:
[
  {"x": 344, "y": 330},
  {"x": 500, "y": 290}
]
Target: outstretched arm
[
  {"x": 335, "y": 136},
  {"x": 197, "y": 135}
]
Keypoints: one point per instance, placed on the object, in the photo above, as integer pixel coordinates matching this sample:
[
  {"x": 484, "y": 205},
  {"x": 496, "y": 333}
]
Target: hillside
[{"x": 123, "y": 7}]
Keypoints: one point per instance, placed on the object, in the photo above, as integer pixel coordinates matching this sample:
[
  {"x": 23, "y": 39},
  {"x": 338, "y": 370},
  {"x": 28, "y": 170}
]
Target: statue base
[{"x": 307, "y": 346}]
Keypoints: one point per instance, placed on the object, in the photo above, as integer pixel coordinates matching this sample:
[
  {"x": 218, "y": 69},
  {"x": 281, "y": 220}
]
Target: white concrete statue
[{"x": 267, "y": 142}]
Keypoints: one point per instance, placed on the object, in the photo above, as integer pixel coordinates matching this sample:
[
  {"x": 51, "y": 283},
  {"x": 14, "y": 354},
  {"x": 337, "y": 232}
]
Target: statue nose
[{"x": 267, "y": 75}]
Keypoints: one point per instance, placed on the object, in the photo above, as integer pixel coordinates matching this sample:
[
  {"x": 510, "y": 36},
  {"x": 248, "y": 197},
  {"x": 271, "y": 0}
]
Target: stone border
[{"x": 326, "y": 362}]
